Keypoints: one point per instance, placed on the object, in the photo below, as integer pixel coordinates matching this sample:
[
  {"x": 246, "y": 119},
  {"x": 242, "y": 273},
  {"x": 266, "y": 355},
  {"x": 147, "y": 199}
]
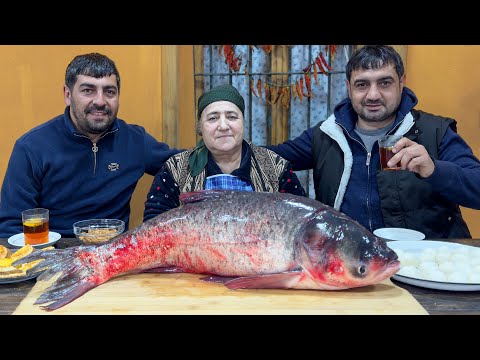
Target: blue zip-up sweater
[
  {"x": 456, "y": 175},
  {"x": 55, "y": 167}
]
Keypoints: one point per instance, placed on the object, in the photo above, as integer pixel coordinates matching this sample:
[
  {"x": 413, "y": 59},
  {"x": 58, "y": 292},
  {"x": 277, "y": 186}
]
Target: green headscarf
[
  {"x": 221, "y": 93},
  {"x": 198, "y": 158}
]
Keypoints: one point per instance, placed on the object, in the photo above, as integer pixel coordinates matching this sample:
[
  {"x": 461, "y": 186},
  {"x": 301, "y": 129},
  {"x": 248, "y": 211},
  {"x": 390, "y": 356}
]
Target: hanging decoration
[
  {"x": 300, "y": 88},
  {"x": 231, "y": 59}
]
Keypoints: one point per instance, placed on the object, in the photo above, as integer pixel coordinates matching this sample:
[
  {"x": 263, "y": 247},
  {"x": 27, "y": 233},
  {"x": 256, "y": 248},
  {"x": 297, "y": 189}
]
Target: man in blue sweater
[
  {"x": 84, "y": 163},
  {"x": 438, "y": 172}
]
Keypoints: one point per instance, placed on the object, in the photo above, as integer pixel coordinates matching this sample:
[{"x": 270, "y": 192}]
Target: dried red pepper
[
  {"x": 279, "y": 94},
  {"x": 315, "y": 74},
  {"x": 236, "y": 63},
  {"x": 319, "y": 64},
  {"x": 299, "y": 91},
  {"x": 286, "y": 97},
  {"x": 325, "y": 62},
  {"x": 272, "y": 93},
  {"x": 252, "y": 88},
  {"x": 301, "y": 87},
  {"x": 267, "y": 48},
  {"x": 230, "y": 59},
  {"x": 227, "y": 51},
  {"x": 307, "y": 68},
  {"x": 259, "y": 88},
  {"x": 294, "y": 91},
  {"x": 333, "y": 50},
  {"x": 308, "y": 84},
  {"x": 267, "y": 93}
]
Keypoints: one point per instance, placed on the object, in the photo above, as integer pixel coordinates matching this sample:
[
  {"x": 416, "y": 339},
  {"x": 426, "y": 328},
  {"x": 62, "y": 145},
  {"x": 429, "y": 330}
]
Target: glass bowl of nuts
[{"x": 97, "y": 231}]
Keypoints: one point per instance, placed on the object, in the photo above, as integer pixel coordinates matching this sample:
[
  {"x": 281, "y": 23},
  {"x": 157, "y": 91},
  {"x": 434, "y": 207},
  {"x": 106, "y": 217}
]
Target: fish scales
[
  {"x": 227, "y": 237},
  {"x": 262, "y": 240}
]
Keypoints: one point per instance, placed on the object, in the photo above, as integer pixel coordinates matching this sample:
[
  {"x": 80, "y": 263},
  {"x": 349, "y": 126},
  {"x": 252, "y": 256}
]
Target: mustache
[
  {"x": 368, "y": 102},
  {"x": 99, "y": 108}
]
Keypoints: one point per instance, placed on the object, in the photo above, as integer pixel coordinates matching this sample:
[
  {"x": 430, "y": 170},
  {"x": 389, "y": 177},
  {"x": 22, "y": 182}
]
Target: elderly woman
[{"x": 222, "y": 160}]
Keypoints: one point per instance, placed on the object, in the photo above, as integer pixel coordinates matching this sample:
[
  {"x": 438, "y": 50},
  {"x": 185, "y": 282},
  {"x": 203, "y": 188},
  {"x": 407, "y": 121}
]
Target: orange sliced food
[
  {"x": 3, "y": 252},
  {"x": 5, "y": 262},
  {"x": 11, "y": 271},
  {"x": 22, "y": 252},
  {"x": 29, "y": 265},
  {"x": 6, "y": 269}
]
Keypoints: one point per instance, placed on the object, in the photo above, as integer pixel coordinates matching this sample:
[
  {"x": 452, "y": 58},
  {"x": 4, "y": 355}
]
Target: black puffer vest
[{"x": 406, "y": 200}]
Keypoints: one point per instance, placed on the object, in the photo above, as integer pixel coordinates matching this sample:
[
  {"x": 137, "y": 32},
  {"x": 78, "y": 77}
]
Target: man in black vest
[{"x": 438, "y": 172}]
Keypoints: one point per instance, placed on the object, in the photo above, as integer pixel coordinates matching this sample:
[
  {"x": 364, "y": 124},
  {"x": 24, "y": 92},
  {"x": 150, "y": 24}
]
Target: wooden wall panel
[
  {"x": 199, "y": 80},
  {"x": 169, "y": 76},
  {"x": 445, "y": 80},
  {"x": 186, "y": 102}
]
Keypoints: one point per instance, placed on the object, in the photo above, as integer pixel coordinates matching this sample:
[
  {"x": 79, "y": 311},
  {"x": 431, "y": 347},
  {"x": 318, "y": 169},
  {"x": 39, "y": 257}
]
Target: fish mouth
[{"x": 390, "y": 269}]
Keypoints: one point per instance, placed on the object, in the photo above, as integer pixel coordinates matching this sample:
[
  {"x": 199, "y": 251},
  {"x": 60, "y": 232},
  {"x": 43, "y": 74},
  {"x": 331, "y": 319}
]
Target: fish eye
[{"x": 362, "y": 269}]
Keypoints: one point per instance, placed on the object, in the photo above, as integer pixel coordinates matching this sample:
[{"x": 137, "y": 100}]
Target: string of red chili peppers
[
  {"x": 300, "y": 88},
  {"x": 274, "y": 92},
  {"x": 231, "y": 59},
  {"x": 234, "y": 61}
]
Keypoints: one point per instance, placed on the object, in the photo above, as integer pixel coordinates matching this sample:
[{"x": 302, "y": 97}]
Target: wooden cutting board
[{"x": 186, "y": 294}]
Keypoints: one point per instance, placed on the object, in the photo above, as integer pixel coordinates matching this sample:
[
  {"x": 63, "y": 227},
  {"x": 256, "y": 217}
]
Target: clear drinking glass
[
  {"x": 385, "y": 145},
  {"x": 35, "y": 226}
]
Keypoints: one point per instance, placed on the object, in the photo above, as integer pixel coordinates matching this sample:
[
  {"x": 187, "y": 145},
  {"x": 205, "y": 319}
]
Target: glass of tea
[
  {"x": 385, "y": 145},
  {"x": 35, "y": 226}
]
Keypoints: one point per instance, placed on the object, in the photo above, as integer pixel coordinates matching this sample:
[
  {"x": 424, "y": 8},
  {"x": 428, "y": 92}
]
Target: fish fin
[
  {"x": 196, "y": 196},
  {"x": 284, "y": 280},
  {"x": 63, "y": 294},
  {"x": 72, "y": 277},
  {"x": 168, "y": 270},
  {"x": 218, "y": 279}
]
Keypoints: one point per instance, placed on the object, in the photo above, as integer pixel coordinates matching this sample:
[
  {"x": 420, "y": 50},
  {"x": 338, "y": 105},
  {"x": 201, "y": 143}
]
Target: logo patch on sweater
[{"x": 113, "y": 167}]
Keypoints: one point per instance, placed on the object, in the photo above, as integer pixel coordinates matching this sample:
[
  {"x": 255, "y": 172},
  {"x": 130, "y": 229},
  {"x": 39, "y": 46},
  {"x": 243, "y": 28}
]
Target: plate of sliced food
[
  {"x": 10, "y": 273},
  {"x": 438, "y": 265}
]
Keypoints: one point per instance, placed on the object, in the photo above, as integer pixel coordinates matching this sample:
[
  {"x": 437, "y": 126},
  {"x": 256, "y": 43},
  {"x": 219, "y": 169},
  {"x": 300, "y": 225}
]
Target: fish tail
[{"x": 73, "y": 277}]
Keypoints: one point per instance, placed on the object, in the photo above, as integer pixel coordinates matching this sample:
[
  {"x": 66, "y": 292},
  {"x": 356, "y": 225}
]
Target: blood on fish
[{"x": 263, "y": 240}]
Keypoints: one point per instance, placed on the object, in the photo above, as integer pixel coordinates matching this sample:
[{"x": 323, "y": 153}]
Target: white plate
[
  {"x": 399, "y": 234},
  {"x": 19, "y": 241},
  {"x": 419, "y": 246}
]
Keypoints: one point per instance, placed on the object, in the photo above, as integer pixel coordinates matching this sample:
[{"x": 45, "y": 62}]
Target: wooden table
[{"x": 435, "y": 302}]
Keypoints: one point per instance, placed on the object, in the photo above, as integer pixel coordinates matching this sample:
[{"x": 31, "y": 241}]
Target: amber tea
[
  {"x": 385, "y": 145},
  {"x": 35, "y": 226},
  {"x": 385, "y": 155}
]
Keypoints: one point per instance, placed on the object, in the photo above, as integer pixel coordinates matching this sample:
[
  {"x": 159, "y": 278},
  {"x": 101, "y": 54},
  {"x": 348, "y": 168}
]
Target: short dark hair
[
  {"x": 93, "y": 64},
  {"x": 374, "y": 57}
]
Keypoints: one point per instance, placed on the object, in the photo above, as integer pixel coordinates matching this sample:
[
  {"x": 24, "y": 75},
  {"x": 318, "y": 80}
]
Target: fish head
[{"x": 337, "y": 252}]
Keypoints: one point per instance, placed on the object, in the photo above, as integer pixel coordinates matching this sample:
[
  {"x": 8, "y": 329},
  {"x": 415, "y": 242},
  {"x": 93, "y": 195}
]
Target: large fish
[{"x": 261, "y": 240}]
